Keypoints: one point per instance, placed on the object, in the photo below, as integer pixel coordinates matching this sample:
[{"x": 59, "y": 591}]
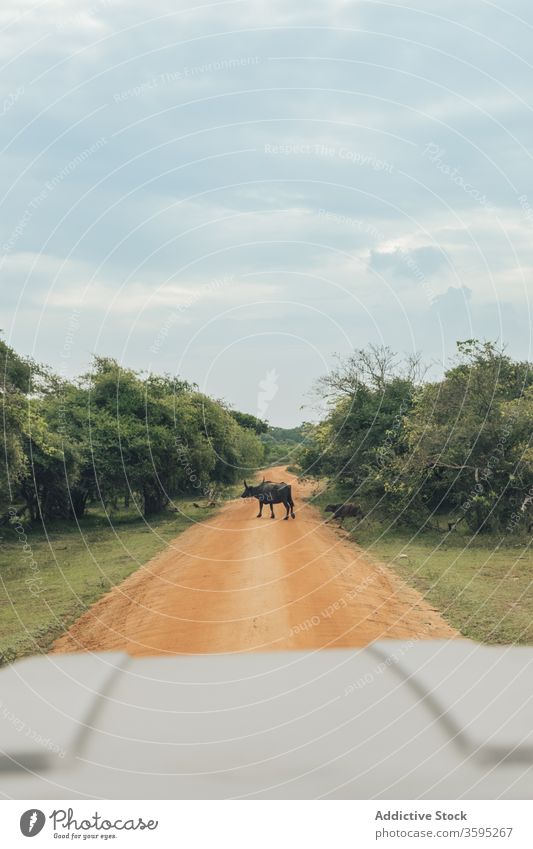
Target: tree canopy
[
  {"x": 459, "y": 446},
  {"x": 114, "y": 434}
]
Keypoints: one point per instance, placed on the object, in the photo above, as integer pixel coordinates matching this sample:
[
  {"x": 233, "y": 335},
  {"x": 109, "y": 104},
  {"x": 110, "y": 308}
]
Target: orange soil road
[{"x": 236, "y": 583}]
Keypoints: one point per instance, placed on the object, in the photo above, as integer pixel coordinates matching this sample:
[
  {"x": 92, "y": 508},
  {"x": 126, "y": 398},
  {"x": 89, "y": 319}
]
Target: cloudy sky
[{"x": 236, "y": 191}]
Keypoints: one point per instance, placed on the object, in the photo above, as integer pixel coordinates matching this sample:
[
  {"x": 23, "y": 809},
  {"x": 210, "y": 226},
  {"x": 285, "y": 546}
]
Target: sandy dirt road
[{"x": 236, "y": 583}]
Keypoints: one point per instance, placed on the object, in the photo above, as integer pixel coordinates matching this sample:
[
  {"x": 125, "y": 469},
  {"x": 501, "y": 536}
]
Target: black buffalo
[
  {"x": 271, "y": 493},
  {"x": 342, "y": 511}
]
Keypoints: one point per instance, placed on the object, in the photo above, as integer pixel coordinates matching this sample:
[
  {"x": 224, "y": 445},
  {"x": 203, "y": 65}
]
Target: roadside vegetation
[
  {"x": 281, "y": 444},
  {"x": 113, "y": 437},
  {"x": 417, "y": 451},
  {"x": 482, "y": 584},
  {"x": 51, "y": 575},
  {"x": 96, "y": 476},
  {"x": 444, "y": 472}
]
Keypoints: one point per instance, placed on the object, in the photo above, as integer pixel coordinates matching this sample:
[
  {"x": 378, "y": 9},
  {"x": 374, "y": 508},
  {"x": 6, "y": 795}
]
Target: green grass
[
  {"x": 72, "y": 569},
  {"x": 483, "y": 585}
]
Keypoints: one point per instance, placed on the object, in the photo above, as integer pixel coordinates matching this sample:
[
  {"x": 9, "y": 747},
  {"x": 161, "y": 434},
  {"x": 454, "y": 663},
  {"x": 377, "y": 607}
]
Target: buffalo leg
[
  {"x": 260, "y": 510},
  {"x": 287, "y": 508}
]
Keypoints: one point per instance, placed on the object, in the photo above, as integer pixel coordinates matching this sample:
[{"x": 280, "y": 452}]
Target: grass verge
[
  {"x": 71, "y": 567},
  {"x": 482, "y": 585}
]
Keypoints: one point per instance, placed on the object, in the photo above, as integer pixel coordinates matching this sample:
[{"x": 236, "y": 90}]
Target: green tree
[
  {"x": 461, "y": 441},
  {"x": 369, "y": 395}
]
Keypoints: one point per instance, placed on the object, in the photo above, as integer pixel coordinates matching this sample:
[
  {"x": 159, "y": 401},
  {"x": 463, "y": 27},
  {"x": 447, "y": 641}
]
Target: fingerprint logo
[
  {"x": 32, "y": 822},
  {"x": 268, "y": 389}
]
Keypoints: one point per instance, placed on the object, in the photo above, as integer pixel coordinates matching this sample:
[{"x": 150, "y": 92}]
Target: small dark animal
[
  {"x": 342, "y": 511},
  {"x": 271, "y": 493}
]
